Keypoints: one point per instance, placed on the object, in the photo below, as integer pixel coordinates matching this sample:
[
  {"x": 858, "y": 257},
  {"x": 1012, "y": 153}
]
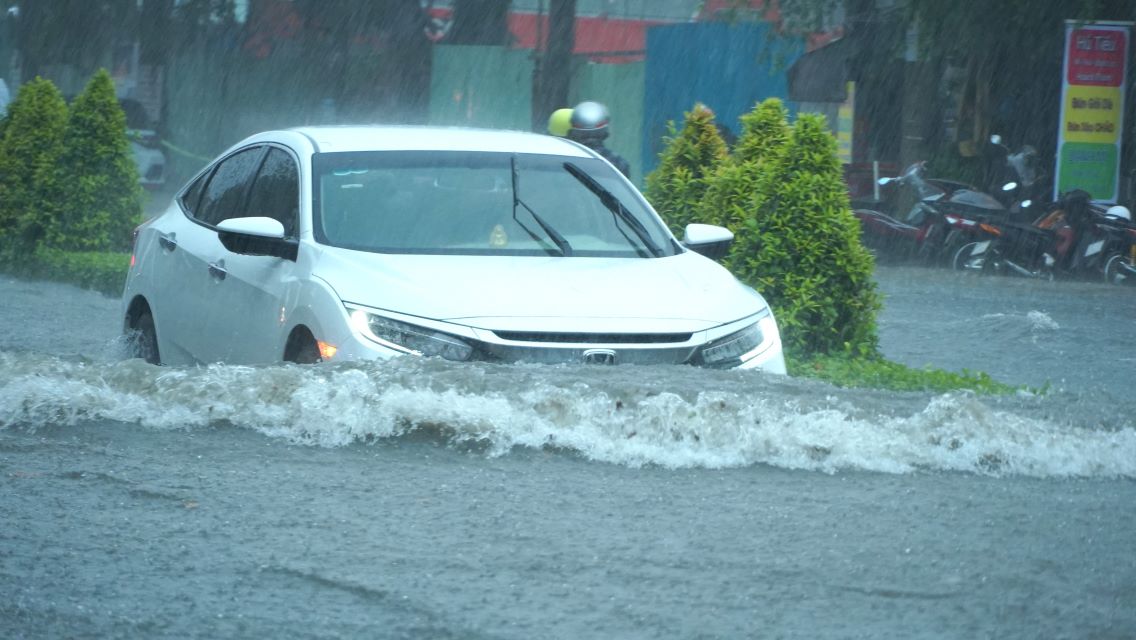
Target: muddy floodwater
[{"x": 423, "y": 499}]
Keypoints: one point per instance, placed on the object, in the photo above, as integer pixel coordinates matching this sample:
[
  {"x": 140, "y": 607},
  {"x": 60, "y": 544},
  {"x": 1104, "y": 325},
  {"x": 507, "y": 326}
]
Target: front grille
[
  {"x": 490, "y": 352},
  {"x": 594, "y": 338}
]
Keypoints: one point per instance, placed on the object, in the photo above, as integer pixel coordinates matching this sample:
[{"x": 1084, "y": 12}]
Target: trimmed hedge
[
  {"x": 765, "y": 130},
  {"x": 676, "y": 188},
  {"x": 29, "y": 154},
  {"x": 69, "y": 191},
  {"x": 799, "y": 245},
  {"x": 100, "y": 199},
  {"x": 104, "y": 272}
]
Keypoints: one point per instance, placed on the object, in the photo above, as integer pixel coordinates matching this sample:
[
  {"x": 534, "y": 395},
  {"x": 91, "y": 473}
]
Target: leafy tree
[
  {"x": 690, "y": 158},
  {"x": 96, "y": 176},
  {"x": 765, "y": 130},
  {"x": 801, "y": 248},
  {"x": 29, "y": 150}
]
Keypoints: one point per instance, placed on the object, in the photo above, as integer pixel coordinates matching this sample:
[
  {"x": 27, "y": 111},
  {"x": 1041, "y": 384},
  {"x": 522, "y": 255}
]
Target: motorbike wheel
[
  {"x": 1115, "y": 272},
  {"x": 965, "y": 260}
]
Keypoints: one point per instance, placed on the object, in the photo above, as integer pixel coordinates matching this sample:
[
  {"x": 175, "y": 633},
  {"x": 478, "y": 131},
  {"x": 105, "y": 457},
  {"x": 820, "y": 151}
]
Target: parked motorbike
[
  {"x": 1075, "y": 238},
  {"x": 943, "y": 216},
  {"x": 1118, "y": 247}
]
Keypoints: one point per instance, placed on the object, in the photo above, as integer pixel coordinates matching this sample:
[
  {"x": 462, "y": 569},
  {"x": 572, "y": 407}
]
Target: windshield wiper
[
  {"x": 616, "y": 207},
  {"x": 561, "y": 243}
]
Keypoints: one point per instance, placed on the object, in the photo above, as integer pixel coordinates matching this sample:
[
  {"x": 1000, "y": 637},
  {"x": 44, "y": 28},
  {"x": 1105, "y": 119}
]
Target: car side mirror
[
  {"x": 260, "y": 227},
  {"x": 708, "y": 240},
  {"x": 256, "y": 236}
]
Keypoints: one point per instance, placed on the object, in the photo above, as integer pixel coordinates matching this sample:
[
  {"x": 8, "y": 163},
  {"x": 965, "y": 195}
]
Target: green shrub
[
  {"x": 29, "y": 152},
  {"x": 765, "y": 131},
  {"x": 675, "y": 189},
  {"x": 102, "y": 271},
  {"x": 800, "y": 247},
  {"x": 101, "y": 200}
]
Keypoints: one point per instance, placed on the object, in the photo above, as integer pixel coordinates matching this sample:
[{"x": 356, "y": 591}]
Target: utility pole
[{"x": 552, "y": 73}]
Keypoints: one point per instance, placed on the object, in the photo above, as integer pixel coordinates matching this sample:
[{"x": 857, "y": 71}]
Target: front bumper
[{"x": 568, "y": 348}]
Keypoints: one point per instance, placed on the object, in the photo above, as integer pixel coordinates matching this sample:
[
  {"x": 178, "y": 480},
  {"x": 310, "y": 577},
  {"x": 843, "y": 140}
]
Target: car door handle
[
  {"x": 217, "y": 271},
  {"x": 168, "y": 242}
]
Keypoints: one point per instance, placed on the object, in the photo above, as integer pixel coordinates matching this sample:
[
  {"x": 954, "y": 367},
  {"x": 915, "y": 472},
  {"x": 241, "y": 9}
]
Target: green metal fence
[{"x": 476, "y": 86}]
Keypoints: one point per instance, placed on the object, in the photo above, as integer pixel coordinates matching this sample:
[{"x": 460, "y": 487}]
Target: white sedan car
[{"x": 332, "y": 243}]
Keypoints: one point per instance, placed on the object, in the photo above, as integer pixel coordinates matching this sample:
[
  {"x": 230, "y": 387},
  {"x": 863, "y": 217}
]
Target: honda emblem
[{"x": 599, "y": 356}]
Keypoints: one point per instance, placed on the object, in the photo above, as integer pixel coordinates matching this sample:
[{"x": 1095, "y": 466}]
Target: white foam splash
[
  {"x": 1040, "y": 321},
  {"x": 624, "y": 424}
]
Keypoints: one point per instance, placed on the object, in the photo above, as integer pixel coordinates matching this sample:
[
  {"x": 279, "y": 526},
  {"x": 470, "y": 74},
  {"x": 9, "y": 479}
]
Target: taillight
[
  {"x": 134, "y": 246},
  {"x": 990, "y": 229}
]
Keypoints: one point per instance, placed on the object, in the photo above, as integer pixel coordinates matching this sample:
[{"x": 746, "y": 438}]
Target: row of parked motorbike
[{"x": 1012, "y": 229}]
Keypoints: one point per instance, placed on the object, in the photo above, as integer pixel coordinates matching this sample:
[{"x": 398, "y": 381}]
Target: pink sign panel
[{"x": 1096, "y": 57}]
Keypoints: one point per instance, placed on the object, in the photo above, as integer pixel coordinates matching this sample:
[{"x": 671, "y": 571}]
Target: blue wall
[{"x": 727, "y": 67}]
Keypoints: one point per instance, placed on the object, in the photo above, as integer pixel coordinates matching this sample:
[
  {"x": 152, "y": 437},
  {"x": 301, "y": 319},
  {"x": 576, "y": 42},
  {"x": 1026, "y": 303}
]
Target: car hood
[{"x": 686, "y": 292}]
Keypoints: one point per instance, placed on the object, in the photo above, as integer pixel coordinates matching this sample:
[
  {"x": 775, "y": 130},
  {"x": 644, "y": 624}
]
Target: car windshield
[{"x": 478, "y": 203}]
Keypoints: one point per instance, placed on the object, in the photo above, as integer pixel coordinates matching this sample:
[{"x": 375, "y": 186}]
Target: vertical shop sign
[{"x": 1092, "y": 108}]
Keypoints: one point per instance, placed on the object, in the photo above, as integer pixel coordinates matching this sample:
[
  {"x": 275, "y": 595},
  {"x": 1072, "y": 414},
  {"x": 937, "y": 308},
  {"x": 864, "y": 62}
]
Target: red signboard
[{"x": 1096, "y": 57}]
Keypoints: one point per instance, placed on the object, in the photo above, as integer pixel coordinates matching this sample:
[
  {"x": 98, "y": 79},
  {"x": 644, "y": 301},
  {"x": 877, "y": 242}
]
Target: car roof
[{"x": 422, "y": 138}]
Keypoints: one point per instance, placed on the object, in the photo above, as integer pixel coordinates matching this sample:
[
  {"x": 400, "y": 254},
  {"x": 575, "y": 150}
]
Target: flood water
[{"x": 421, "y": 499}]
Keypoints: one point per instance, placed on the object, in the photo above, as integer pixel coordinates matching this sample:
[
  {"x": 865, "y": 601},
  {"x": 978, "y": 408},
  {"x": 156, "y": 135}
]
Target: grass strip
[{"x": 879, "y": 373}]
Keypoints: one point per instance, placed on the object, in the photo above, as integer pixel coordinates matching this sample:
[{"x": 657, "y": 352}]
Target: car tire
[{"x": 144, "y": 343}]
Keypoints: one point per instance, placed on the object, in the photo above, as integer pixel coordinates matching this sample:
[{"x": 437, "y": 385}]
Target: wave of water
[
  {"x": 672, "y": 416},
  {"x": 1030, "y": 325}
]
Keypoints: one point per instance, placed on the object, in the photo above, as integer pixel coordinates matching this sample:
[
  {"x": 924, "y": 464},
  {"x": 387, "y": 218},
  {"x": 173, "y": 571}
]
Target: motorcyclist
[
  {"x": 589, "y": 127},
  {"x": 1069, "y": 222}
]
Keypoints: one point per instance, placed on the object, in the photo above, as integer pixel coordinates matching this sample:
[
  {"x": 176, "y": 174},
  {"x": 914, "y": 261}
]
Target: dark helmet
[{"x": 589, "y": 121}]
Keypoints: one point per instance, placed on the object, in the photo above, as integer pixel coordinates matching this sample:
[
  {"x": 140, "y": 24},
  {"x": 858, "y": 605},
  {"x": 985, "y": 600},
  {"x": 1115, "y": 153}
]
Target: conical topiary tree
[
  {"x": 801, "y": 248},
  {"x": 101, "y": 197},
  {"x": 29, "y": 150},
  {"x": 675, "y": 189},
  {"x": 765, "y": 130}
]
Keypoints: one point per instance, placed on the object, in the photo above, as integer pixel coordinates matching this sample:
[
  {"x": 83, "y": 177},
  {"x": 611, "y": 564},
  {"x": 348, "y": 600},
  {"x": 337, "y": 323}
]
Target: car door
[
  {"x": 202, "y": 256},
  {"x": 173, "y": 272},
  {"x": 253, "y": 299}
]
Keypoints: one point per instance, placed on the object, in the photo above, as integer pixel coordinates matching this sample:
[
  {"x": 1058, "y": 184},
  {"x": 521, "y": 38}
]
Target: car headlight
[
  {"x": 740, "y": 346},
  {"x": 410, "y": 339}
]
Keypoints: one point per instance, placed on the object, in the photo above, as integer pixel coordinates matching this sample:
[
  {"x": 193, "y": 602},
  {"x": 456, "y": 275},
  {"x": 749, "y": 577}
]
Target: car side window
[
  {"x": 224, "y": 196},
  {"x": 192, "y": 196},
  {"x": 276, "y": 192}
]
